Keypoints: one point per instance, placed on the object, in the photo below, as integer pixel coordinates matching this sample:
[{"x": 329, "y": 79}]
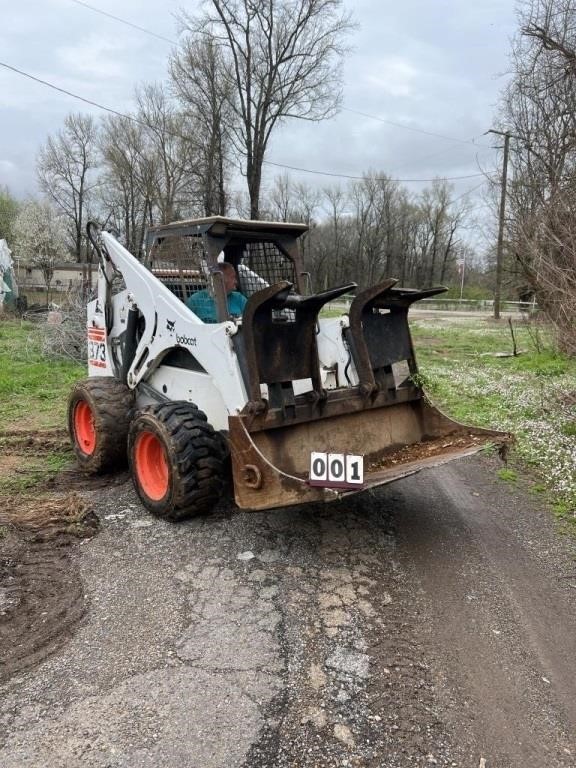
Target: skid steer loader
[{"x": 297, "y": 406}]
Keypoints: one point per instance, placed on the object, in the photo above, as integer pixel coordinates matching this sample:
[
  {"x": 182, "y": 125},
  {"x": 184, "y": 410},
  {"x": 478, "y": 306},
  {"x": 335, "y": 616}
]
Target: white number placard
[
  {"x": 97, "y": 347},
  {"x": 355, "y": 470},
  {"x": 318, "y": 466},
  {"x": 336, "y": 470},
  {"x": 336, "y": 467}
]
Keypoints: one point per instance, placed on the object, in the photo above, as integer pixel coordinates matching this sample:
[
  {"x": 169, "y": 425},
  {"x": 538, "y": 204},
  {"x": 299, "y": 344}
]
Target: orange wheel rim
[
  {"x": 84, "y": 430},
  {"x": 151, "y": 465}
]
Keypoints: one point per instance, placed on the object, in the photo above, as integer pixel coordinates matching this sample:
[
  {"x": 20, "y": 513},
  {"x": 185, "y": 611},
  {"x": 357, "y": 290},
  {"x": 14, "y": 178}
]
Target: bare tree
[
  {"x": 167, "y": 133},
  {"x": 374, "y": 230},
  {"x": 199, "y": 79},
  {"x": 306, "y": 210},
  {"x": 290, "y": 201},
  {"x": 443, "y": 222},
  {"x": 328, "y": 255},
  {"x": 282, "y": 59},
  {"x": 280, "y": 198},
  {"x": 552, "y": 258},
  {"x": 539, "y": 110},
  {"x": 65, "y": 169},
  {"x": 127, "y": 188},
  {"x": 375, "y": 200}
]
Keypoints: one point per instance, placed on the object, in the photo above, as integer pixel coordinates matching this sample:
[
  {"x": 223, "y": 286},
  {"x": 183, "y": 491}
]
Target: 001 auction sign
[
  {"x": 97, "y": 347},
  {"x": 336, "y": 470}
]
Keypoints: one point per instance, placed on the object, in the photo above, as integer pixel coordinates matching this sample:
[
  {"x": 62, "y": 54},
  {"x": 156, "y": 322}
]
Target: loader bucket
[
  {"x": 383, "y": 417},
  {"x": 271, "y": 467}
]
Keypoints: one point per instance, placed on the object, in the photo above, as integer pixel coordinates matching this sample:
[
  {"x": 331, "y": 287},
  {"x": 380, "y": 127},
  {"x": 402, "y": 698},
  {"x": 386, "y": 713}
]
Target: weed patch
[
  {"x": 538, "y": 488},
  {"x": 509, "y": 475}
]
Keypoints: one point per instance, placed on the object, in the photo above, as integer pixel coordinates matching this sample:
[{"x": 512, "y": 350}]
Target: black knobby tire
[
  {"x": 176, "y": 460},
  {"x": 108, "y": 405}
]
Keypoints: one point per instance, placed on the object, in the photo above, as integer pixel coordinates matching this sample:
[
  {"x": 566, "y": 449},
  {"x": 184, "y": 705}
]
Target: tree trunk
[{"x": 254, "y": 180}]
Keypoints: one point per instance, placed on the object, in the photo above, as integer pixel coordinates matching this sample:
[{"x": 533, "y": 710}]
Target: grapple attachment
[{"x": 379, "y": 413}]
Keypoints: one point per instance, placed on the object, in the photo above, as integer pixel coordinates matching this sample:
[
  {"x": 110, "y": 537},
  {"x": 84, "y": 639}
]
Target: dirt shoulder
[
  {"x": 428, "y": 623},
  {"x": 41, "y": 590}
]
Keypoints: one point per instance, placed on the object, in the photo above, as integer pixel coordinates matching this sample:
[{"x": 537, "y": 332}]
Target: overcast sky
[{"x": 436, "y": 66}]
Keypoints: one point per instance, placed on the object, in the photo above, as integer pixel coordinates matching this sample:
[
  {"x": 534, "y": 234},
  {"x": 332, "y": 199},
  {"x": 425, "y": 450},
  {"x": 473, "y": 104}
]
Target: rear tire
[
  {"x": 176, "y": 460},
  {"x": 99, "y": 412}
]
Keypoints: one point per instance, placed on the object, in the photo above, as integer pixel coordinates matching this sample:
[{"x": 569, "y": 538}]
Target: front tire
[
  {"x": 176, "y": 460},
  {"x": 99, "y": 411}
]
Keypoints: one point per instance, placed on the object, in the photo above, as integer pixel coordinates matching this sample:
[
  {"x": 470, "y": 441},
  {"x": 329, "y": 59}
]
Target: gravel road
[{"x": 432, "y": 622}]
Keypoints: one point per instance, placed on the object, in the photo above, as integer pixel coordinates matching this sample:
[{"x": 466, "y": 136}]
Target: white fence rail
[{"x": 454, "y": 305}]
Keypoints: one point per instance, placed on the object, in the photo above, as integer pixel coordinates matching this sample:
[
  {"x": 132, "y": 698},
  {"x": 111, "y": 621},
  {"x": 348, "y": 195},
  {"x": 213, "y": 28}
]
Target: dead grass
[
  {"x": 51, "y": 514},
  {"x": 24, "y": 441}
]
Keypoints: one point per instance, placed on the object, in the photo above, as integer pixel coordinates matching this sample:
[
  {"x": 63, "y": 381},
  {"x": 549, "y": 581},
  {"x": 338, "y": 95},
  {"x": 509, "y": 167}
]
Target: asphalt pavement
[{"x": 432, "y": 622}]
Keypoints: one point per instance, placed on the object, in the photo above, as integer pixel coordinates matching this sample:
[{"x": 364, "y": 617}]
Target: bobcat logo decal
[{"x": 170, "y": 325}]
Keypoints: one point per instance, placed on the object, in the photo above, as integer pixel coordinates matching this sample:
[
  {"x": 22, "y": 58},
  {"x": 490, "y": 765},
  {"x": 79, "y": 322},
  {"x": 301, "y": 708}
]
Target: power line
[
  {"x": 124, "y": 21},
  {"x": 416, "y": 130},
  {"x": 430, "y": 156},
  {"x": 344, "y": 109},
  {"x": 72, "y": 95},
  {"x": 179, "y": 136},
  {"x": 468, "y": 192},
  {"x": 375, "y": 178}
]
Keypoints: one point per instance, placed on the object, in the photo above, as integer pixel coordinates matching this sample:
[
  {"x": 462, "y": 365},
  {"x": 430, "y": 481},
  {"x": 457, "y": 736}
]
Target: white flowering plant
[
  {"x": 473, "y": 376},
  {"x": 40, "y": 238}
]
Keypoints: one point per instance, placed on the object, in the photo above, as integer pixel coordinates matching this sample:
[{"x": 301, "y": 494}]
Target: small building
[{"x": 68, "y": 276}]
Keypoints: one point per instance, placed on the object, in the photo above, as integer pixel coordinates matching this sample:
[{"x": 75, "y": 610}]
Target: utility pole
[
  {"x": 500, "y": 245},
  {"x": 461, "y": 264}
]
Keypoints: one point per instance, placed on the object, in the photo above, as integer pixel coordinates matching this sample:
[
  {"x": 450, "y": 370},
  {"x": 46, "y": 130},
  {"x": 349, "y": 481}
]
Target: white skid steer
[{"x": 298, "y": 407}]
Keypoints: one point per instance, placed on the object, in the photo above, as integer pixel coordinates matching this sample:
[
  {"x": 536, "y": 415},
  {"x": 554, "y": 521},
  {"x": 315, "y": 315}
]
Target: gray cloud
[{"x": 432, "y": 66}]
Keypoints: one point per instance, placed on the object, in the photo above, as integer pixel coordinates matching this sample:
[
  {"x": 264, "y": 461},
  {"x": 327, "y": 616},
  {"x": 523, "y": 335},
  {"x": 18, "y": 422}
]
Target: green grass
[
  {"x": 564, "y": 513},
  {"x": 531, "y": 395},
  {"x": 33, "y": 390},
  {"x": 33, "y": 472},
  {"x": 569, "y": 429},
  {"x": 538, "y": 488},
  {"x": 472, "y": 337},
  {"x": 509, "y": 475},
  {"x": 33, "y": 398}
]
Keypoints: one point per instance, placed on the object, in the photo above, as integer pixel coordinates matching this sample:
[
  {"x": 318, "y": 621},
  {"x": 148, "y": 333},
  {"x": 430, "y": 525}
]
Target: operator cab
[
  {"x": 185, "y": 256},
  {"x": 276, "y": 338}
]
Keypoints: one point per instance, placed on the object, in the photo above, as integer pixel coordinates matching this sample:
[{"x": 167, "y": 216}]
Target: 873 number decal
[
  {"x": 336, "y": 470},
  {"x": 97, "y": 347}
]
